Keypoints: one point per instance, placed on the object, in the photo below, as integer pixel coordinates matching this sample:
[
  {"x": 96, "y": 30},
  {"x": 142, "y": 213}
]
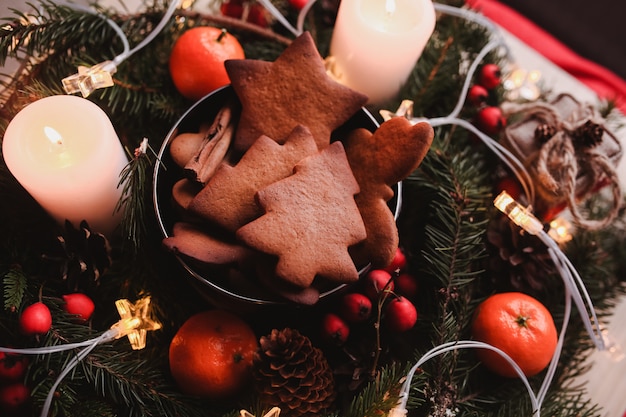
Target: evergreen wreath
[{"x": 447, "y": 206}]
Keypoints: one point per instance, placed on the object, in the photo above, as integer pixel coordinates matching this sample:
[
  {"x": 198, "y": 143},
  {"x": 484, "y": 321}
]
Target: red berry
[
  {"x": 237, "y": 8},
  {"x": 400, "y": 314},
  {"x": 355, "y": 307},
  {"x": 258, "y": 16},
  {"x": 298, "y": 4},
  {"x": 376, "y": 281},
  {"x": 334, "y": 329},
  {"x": 232, "y": 9},
  {"x": 36, "y": 319},
  {"x": 477, "y": 95},
  {"x": 406, "y": 284},
  {"x": 490, "y": 76},
  {"x": 12, "y": 366},
  {"x": 13, "y": 396},
  {"x": 398, "y": 263},
  {"x": 490, "y": 120},
  {"x": 80, "y": 305}
]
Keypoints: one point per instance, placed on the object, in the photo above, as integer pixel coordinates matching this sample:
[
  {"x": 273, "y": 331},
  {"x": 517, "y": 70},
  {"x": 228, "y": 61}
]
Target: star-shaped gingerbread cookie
[
  {"x": 294, "y": 89},
  {"x": 310, "y": 220}
]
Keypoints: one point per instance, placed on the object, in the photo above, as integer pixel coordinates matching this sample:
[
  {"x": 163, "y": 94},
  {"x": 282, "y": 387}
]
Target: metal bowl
[{"x": 166, "y": 173}]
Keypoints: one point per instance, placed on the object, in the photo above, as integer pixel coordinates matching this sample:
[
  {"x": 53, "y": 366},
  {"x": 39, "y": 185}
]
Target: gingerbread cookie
[
  {"x": 379, "y": 161},
  {"x": 310, "y": 220},
  {"x": 229, "y": 197},
  {"x": 193, "y": 243},
  {"x": 183, "y": 192},
  {"x": 294, "y": 89}
]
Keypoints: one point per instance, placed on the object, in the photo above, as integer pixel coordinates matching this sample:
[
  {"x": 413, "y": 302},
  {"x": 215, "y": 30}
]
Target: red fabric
[{"x": 603, "y": 81}]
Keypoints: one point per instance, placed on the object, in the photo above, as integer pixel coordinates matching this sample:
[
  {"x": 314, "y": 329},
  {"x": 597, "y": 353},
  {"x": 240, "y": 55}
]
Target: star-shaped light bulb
[
  {"x": 89, "y": 79},
  {"x": 135, "y": 321},
  {"x": 404, "y": 110},
  {"x": 274, "y": 412}
]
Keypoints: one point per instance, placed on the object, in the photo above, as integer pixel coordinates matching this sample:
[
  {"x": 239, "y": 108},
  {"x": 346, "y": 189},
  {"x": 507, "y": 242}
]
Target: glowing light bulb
[
  {"x": 135, "y": 321},
  {"x": 560, "y": 230},
  {"x": 519, "y": 214}
]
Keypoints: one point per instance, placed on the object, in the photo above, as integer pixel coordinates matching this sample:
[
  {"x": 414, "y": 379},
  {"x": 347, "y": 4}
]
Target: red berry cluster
[
  {"x": 14, "y": 394},
  {"x": 388, "y": 291},
  {"x": 35, "y": 320},
  {"x": 489, "y": 118}
]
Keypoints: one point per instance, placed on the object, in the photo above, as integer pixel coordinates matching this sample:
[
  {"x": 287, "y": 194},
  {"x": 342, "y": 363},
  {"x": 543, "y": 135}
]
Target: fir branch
[
  {"x": 238, "y": 25},
  {"x": 380, "y": 395},
  {"x": 14, "y": 286},
  {"x": 452, "y": 181},
  {"x": 135, "y": 182}
]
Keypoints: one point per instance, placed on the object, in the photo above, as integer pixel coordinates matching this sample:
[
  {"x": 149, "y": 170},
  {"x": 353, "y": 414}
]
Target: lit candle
[
  {"x": 64, "y": 151},
  {"x": 376, "y": 44}
]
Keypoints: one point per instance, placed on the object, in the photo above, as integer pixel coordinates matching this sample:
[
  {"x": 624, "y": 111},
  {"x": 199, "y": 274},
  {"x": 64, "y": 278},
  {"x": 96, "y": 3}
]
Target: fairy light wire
[
  {"x": 134, "y": 318},
  {"x": 514, "y": 164},
  {"x": 574, "y": 284},
  {"x": 571, "y": 278},
  {"x": 452, "y": 346},
  {"x": 87, "y": 345},
  {"x": 100, "y": 75},
  {"x": 279, "y": 16},
  {"x": 574, "y": 287}
]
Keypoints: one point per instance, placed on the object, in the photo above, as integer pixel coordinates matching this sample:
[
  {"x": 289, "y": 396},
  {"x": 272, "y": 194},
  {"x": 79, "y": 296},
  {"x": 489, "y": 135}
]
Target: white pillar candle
[
  {"x": 376, "y": 43},
  {"x": 64, "y": 151}
]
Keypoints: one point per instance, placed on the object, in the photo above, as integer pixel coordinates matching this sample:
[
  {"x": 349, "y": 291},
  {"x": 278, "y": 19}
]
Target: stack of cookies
[{"x": 270, "y": 200}]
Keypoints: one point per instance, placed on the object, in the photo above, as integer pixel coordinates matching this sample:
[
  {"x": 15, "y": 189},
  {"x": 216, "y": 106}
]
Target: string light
[
  {"x": 135, "y": 322},
  {"x": 519, "y": 214},
  {"x": 89, "y": 79},
  {"x": 274, "y": 412},
  {"x": 572, "y": 280},
  {"x": 574, "y": 291},
  {"x": 522, "y": 84},
  {"x": 560, "y": 230},
  {"x": 514, "y": 164}
]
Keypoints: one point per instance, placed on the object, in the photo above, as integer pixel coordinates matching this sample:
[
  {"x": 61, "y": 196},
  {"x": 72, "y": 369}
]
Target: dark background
[{"x": 595, "y": 29}]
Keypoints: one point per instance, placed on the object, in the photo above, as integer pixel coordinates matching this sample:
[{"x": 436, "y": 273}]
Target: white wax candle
[
  {"x": 64, "y": 151},
  {"x": 376, "y": 43}
]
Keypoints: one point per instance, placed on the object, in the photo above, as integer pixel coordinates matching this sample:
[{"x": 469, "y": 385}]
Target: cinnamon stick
[{"x": 213, "y": 148}]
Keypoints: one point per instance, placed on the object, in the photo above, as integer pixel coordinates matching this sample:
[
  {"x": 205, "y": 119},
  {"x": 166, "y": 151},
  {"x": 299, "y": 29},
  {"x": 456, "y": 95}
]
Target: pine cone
[
  {"x": 589, "y": 134},
  {"x": 521, "y": 256},
  {"x": 292, "y": 374},
  {"x": 82, "y": 256}
]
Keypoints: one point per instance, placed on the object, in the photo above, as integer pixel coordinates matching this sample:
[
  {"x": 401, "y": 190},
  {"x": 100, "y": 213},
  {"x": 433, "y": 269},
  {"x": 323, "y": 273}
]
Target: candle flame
[
  {"x": 54, "y": 136},
  {"x": 390, "y": 7}
]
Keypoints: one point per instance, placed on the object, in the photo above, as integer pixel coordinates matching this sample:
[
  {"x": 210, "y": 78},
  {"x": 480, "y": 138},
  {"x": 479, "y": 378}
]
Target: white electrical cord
[
  {"x": 98, "y": 76},
  {"x": 87, "y": 345}
]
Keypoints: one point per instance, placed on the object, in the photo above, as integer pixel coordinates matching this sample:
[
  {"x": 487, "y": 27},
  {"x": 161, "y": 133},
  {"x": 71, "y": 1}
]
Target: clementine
[
  {"x": 196, "y": 62},
  {"x": 519, "y": 325},
  {"x": 211, "y": 355}
]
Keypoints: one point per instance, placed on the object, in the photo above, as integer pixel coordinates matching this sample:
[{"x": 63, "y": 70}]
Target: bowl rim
[{"x": 166, "y": 233}]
